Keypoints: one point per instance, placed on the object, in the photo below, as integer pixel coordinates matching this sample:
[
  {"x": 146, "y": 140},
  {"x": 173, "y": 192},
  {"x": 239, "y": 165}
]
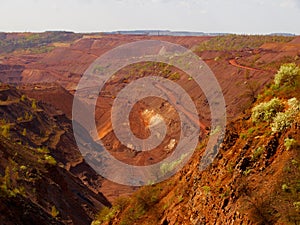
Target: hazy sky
[{"x": 236, "y": 16}]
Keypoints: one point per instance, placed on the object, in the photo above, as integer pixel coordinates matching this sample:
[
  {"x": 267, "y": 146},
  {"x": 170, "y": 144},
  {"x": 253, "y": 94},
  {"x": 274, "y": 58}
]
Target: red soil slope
[{"x": 65, "y": 66}]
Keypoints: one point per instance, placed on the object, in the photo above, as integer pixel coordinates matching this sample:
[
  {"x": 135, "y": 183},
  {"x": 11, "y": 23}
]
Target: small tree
[
  {"x": 265, "y": 111},
  {"x": 287, "y": 75},
  {"x": 284, "y": 120},
  {"x": 294, "y": 105}
]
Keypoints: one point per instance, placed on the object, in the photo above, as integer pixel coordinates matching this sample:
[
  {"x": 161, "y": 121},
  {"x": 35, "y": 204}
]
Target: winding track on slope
[{"x": 234, "y": 63}]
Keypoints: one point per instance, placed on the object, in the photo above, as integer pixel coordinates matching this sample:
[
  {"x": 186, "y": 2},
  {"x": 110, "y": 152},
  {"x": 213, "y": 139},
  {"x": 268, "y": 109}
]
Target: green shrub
[
  {"x": 206, "y": 189},
  {"x": 5, "y": 130},
  {"x": 105, "y": 215},
  {"x": 284, "y": 120},
  {"x": 7, "y": 184},
  {"x": 287, "y": 75},
  {"x": 33, "y": 104},
  {"x": 289, "y": 143},
  {"x": 23, "y": 98},
  {"x": 27, "y": 116},
  {"x": 23, "y": 167},
  {"x": 180, "y": 198},
  {"x": 49, "y": 159},
  {"x": 251, "y": 130},
  {"x": 243, "y": 136},
  {"x": 121, "y": 203},
  {"x": 294, "y": 104},
  {"x": 294, "y": 162},
  {"x": 146, "y": 198},
  {"x": 285, "y": 187},
  {"x": 132, "y": 215},
  {"x": 43, "y": 149},
  {"x": 142, "y": 201},
  {"x": 297, "y": 206},
  {"x": 246, "y": 172},
  {"x": 265, "y": 111},
  {"x": 257, "y": 153}
]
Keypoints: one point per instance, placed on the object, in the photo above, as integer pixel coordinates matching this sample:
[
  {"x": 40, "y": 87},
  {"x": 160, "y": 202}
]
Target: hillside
[
  {"x": 254, "y": 179},
  {"x": 45, "y": 179}
]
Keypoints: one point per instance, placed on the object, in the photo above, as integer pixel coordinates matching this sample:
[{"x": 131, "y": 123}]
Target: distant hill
[
  {"x": 283, "y": 34},
  {"x": 179, "y": 33},
  {"x": 164, "y": 33}
]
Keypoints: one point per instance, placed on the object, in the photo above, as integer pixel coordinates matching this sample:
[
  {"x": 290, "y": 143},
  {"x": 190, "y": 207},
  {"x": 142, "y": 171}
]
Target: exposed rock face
[
  {"x": 65, "y": 182},
  {"x": 11, "y": 73}
]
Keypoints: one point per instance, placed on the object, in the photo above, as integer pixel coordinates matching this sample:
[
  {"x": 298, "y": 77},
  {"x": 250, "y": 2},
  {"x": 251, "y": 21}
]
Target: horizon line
[{"x": 151, "y": 30}]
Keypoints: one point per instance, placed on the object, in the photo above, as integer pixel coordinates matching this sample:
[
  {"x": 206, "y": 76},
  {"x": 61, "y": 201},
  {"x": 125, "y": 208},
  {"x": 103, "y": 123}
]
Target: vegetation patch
[
  {"x": 290, "y": 143},
  {"x": 235, "y": 42},
  {"x": 265, "y": 111},
  {"x": 288, "y": 75}
]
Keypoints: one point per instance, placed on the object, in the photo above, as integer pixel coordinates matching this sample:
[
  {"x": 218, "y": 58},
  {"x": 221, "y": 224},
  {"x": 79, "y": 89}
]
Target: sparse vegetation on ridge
[
  {"x": 34, "y": 42},
  {"x": 234, "y": 42}
]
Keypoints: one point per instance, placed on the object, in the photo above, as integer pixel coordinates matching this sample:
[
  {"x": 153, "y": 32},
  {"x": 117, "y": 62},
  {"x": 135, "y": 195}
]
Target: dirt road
[{"x": 233, "y": 62}]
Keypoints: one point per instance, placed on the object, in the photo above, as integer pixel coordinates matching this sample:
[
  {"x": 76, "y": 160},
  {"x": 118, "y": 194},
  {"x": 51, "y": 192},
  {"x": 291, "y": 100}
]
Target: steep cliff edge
[{"x": 44, "y": 179}]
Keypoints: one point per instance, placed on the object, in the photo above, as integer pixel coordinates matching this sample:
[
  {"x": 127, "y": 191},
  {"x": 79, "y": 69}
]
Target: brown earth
[
  {"x": 65, "y": 65},
  {"x": 69, "y": 184},
  {"x": 52, "y": 77},
  {"x": 253, "y": 180},
  {"x": 239, "y": 187},
  {"x": 270, "y": 56}
]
